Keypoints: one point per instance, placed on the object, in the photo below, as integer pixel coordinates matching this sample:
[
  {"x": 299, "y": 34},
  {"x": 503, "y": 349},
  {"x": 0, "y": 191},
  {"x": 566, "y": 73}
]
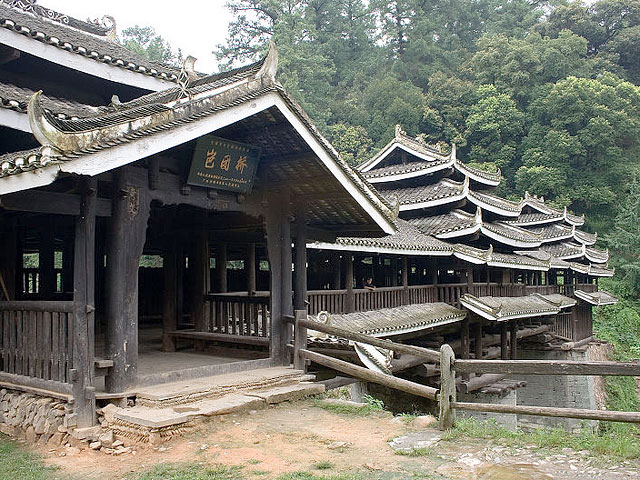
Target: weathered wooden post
[
  {"x": 251, "y": 269},
  {"x": 84, "y": 307},
  {"x": 465, "y": 342},
  {"x": 348, "y": 280},
  {"x": 334, "y": 261},
  {"x": 447, "y": 387},
  {"x": 514, "y": 339},
  {"x": 405, "y": 281},
  {"x": 127, "y": 234},
  {"x": 199, "y": 266},
  {"x": 300, "y": 341},
  {"x": 477, "y": 333},
  {"x": 169, "y": 294},
  {"x": 300, "y": 292},
  {"x": 221, "y": 267}
]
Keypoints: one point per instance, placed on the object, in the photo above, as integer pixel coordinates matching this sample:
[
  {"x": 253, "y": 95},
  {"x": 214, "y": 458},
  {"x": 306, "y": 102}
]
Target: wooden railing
[
  {"x": 238, "y": 314},
  {"x": 36, "y": 344},
  {"x": 333, "y": 301},
  {"x": 383, "y": 297}
]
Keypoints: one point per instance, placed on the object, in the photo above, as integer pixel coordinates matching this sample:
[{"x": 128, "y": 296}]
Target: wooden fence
[
  {"x": 446, "y": 395},
  {"x": 36, "y": 344},
  {"x": 234, "y": 314}
]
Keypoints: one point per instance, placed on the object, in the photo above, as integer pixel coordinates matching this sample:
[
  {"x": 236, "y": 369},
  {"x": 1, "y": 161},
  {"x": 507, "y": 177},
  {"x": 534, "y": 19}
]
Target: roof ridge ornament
[
  {"x": 478, "y": 216},
  {"x": 454, "y": 151},
  {"x": 399, "y": 132},
  {"x": 270, "y": 65},
  {"x": 109, "y": 23},
  {"x": 490, "y": 252},
  {"x": 395, "y": 206},
  {"x": 186, "y": 76}
]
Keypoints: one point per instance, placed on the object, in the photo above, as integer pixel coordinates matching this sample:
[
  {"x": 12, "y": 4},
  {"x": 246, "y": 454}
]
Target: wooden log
[
  {"x": 603, "y": 415},
  {"x": 548, "y": 367},
  {"x": 428, "y": 355},
  {"x": 476, "y": 383},
  {"x": 447, "y": 392},
  {"x": 571, "y": 345},
  {"x": 371, "y": 376},
  {"x": 338, "y": 382},
  {"x": 221, "y": 337},
  {"x": 84, "y": 305}
]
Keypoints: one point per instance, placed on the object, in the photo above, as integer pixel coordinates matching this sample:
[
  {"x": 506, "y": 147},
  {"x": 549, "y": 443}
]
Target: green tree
[
  {"x": 145, "y": 42},
  {"x": 352, "y": 142}
]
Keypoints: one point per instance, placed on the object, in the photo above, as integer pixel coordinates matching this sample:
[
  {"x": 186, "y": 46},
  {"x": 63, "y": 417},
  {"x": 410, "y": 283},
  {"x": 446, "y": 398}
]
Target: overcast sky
[{"x": 195, "y": 26}]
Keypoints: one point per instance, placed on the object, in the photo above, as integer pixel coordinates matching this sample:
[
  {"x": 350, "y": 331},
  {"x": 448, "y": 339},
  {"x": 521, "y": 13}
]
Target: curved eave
[
  {"x": 519, "y": 243},
  {"x": 517, "y": 266},
  {"x": 505, "y": 212},
  {"x": 558, "y": 239},
  {"x": 596, "y": 257},
  {"x": 585, "y": 240},
  {"x": 595, "y": 300},
  {"x": 459, "y": 232},
  {"x": 389, "y": 148},
  {"x": 93, "y": 65},
  {"x": 534, "y": 223},
  {"x": 407, "y": 175},
  {"x": 491, "y": 180},
  {"x": 433, "y": 203},
  {"x": 475, "y": 305},
  {"x": 348, "y": 247}
]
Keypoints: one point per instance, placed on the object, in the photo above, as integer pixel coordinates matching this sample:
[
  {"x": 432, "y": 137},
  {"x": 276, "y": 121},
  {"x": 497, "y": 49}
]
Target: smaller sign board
[{"x": 223, "y": 164}]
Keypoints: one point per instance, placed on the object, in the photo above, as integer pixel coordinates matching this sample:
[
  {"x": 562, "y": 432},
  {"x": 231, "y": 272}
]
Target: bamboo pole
[{"x": 547, "y": 367}]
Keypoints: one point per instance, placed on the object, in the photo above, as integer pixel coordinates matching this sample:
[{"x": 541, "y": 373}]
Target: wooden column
[
  {"x": 394, "y": 272},
  {"x": 477, "y": 335},
  {"x": 334, "y": 262},
  {"x": 250, "y": 267},
  {"x": 514, "y": 339},
  {"x": 170, "y": 293},
  {"x": 470, "y": 280},
  {"x": 199, "y": 267},
  {"x": 84, "y": 307},
  {"x": 126, "y": 237},
  {"x": 300, "y": 292},
  {"x": 348, "y": 283},
  {"x": 8, "y": 258},
  {"x": 279, "y": 249},
  {"x": 504, "y": 350},
  {"x": 405, "y": 281},
  {"x": 465, "y": 343},
  {"x": 221, "y": 268},
  {"x": 47, "y": 254}
]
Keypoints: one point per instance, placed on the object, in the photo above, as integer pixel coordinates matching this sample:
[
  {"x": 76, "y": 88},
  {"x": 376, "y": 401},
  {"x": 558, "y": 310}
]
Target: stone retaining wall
[{"x": 39, "y": 420}]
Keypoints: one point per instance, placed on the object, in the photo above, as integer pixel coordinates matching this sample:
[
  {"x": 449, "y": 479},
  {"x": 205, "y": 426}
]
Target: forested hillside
[{"x": 546, "y": 91}]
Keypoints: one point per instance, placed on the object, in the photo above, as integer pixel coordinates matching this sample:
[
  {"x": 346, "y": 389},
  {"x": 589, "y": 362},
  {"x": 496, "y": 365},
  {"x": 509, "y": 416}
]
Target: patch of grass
[
  {"x": 190, "y": 471},
  {"x": 323, "y": 465},
  {"x": 346, "y": 409},
  {"x": 253, "y": 461},
  {"x": 417, "y": 452},
  {"x": 615, "y": 445},
  {"x": 16, "y": 463}
]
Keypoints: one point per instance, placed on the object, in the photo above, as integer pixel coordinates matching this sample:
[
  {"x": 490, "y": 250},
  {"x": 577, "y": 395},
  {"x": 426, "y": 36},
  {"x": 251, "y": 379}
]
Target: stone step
[
  {"x": 154, "y": 425},
  {"x": 189, "y": 391}
]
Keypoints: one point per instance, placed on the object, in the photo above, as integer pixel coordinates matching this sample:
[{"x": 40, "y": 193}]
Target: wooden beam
[
  {"x": 40, "y": 201},
  {"x": 548, "y": 367}
]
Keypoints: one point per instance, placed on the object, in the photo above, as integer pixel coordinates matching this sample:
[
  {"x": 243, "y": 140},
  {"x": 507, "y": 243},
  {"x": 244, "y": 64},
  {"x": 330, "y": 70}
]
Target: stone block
[{"x": 55, "y": 440}]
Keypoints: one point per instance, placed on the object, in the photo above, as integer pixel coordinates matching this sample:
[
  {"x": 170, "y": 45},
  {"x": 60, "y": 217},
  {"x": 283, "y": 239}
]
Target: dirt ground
[{"x": 299, "y": 436}]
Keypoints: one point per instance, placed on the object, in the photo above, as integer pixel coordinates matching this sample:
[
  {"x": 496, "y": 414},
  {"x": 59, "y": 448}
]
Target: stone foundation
[
  {"x": 37, "y": 419},
  {"x": 506, "y": 420},
  {"x": 563, "y": 391}
]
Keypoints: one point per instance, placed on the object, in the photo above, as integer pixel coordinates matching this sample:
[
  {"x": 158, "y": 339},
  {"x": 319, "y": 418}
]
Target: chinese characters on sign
[{"x": 223, "y": 164}]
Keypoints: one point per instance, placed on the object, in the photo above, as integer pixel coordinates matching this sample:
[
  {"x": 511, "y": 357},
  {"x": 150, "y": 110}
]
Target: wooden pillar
[
  {"x": 470, "y": 280},
  {"x": 394, "y": 272},
  {"x": 84, "y": 256},
  {"x": 514, "y": 339},
  {"x": 170, "y": 293},
  {"x": 405, "y": 281},
  {"x": 221, "y": 268},
  {"x": 199, "y": 269},
  {"x": 47, "y": 254},
  {"x": 279, "y": 248},
  {"x": 465, "y": 343},
  {"x": 477, "y": 335},
  {"x": 300, "y": 293},
  {"x": 126, "y": 237},
  {"x": 334, "y": 262},
  {"x": 8, "y": 258},
  {"x": 250, "y": 267},
  {"x": 504, "y": 350},
  {"x": 348, "y": 283}
]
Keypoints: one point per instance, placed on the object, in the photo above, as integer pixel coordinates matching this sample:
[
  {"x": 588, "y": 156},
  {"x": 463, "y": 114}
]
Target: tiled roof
[
  {"x": 596, "y": 298},
  {"x": 584, "y": 237},
  {"x": 508, "y": 260},
  {"x": 82, "y": 38},
  {"x": 488, "y": 178},
  {"x": 388, "y": 322},
  {"x": 508, "y": 308},
  {"x": 553, "y": 233},
  {"x": 16, "y": 98},
  {"x": 417, "y": 168},
  {"x": 560, "y": 300},
  {"x": 511, "y": 235},
  {"x": 564, "y": 251},
  {"x": 596, "y": 256},
  {"x": 450, "y": 224},
  {"x": 407, "y": 239},
  {"x": 495, "y": 204},
  {"x": 530, "y": 219},
  {"x": 600, "y": 271},
  {"x": 445, "y": 191}
]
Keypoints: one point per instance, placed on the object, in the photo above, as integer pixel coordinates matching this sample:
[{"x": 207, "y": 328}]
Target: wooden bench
[{"x": 220, "y": 337}]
